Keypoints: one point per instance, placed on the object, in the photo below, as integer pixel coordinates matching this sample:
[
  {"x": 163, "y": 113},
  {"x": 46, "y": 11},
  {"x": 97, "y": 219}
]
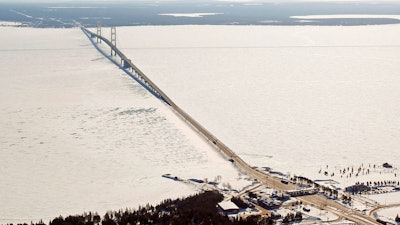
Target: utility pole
[
  {"x": 113, "y": 40},
  {"x": 98, "y": 31}
]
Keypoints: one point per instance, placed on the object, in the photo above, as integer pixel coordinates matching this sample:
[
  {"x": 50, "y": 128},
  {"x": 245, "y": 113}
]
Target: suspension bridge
[{"x": 133, "y": 71}]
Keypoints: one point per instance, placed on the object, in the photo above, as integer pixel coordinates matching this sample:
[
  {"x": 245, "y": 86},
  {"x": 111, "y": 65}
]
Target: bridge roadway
[{"x": 317, "y": 200}]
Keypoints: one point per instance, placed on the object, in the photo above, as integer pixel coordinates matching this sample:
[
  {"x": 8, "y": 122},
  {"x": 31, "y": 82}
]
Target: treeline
[
  {"x": 306, "y": 181},
  {"x": 380, "y": 183},
  {"x": 200, "y": 209}
]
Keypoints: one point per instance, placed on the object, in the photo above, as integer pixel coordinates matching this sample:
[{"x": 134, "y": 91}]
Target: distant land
[{"x": 194, "y": 13}]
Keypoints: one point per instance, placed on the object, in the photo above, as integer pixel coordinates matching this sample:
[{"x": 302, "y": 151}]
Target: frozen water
[
  {"x": 292, "y": 98},
  {"x": 79, "y": 135}
]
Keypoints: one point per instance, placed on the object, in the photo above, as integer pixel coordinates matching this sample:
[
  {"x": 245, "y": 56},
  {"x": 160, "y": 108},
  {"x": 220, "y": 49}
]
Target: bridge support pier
[
  {"x": 126, "y": 64},
  {"x": 113, "y": 40},
  {"x": 98, "y": 40}
]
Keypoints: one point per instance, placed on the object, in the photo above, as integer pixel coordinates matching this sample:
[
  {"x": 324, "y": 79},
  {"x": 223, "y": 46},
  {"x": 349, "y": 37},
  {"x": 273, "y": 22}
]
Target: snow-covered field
[
  {"x": 77, "y": 134},
  {"x": 389, "y": 214}
]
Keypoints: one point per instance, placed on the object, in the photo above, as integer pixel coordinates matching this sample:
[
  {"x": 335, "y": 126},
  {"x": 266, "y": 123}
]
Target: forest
[{"x": 199, "y": 209}]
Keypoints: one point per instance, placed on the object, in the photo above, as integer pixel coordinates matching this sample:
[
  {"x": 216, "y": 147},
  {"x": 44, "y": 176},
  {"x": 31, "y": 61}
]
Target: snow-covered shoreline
[
  {"x": 347, "y": 16},
  {"x": 190, "y": 15},
  {"x": 10, "y": 24}
]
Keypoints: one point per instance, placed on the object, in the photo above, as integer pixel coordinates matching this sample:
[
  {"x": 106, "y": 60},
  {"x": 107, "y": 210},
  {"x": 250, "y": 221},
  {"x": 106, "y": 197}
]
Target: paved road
[
  {"x": 371, "y": 213},
  {"x": 334, "y": 207}
]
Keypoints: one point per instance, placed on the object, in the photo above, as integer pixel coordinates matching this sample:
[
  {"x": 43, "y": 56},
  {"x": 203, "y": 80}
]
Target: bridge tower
[
  {"x": 113, "y": 40},
  {"x": 98, "y": 40}
]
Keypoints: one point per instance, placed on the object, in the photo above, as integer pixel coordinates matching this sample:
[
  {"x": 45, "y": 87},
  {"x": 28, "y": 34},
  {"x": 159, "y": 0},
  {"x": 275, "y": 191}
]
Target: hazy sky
[{"x": 60, "y": 1}]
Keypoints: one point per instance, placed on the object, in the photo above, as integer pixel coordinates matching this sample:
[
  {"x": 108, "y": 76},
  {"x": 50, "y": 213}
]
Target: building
[{"x": 228, "y": 207}]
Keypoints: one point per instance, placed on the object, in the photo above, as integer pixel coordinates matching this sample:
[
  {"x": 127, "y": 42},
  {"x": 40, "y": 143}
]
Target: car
[{"x": 284, "y": 181}]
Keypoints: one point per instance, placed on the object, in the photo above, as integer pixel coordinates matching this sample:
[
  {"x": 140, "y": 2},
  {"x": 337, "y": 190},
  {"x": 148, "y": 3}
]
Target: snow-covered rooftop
[{"x": 228, "y": 205}]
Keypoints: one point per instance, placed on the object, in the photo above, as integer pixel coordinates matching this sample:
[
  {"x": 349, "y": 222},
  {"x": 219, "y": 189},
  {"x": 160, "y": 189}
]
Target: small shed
[{"x": 228, "y": 207}]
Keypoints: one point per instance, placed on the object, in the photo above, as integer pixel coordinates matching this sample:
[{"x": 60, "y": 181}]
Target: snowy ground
[
  {"x": 387, "y": 198},
  {"x": 391, "y": 200},
  {"x": 389, "y": 214},
  {"x": 313, "y": 214},
  {"x": 77, "y": 134}
]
